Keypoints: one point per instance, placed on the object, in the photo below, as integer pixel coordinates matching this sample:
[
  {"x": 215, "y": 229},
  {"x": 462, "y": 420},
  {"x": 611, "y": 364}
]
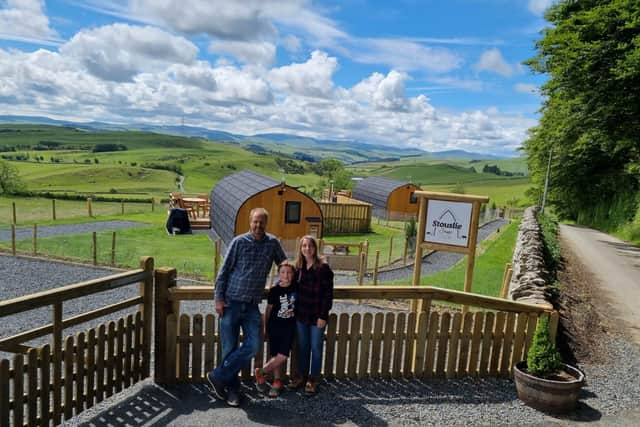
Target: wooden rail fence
[
  {"x": 382, "y": 345},
  {"x": 52, "y": 383}
]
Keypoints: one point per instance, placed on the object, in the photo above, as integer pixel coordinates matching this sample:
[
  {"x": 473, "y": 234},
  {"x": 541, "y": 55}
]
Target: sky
[{"x": 435, "y": 75}]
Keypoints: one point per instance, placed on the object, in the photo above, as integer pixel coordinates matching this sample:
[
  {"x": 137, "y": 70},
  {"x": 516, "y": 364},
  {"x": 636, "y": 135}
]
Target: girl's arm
[
  {"x": 265, "y": 319},
  {"x": 326, "y": 293}
]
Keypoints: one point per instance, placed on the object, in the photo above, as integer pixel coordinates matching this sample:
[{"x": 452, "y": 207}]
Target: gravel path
[
  {"x": 612, "y": 388},
  {"x": 61, "y": 230}
]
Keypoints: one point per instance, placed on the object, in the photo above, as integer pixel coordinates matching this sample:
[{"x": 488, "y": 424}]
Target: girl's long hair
[{"x": 317, "y": 259}]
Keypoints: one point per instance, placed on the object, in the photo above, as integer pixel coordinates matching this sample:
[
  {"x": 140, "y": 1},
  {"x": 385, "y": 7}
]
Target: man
[{"x": 239, "y": 289}]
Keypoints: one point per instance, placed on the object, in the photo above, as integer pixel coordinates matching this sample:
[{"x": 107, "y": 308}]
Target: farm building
[
  {"x": 391, "y": 199},
  {"x": 292, "y": 213}
]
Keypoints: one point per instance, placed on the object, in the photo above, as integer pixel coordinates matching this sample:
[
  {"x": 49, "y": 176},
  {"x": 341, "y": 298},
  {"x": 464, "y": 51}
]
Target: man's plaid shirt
[{"x": 245, "y": 268}]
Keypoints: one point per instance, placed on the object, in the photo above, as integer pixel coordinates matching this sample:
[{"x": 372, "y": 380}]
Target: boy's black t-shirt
[{"x": 284, "y": 303}]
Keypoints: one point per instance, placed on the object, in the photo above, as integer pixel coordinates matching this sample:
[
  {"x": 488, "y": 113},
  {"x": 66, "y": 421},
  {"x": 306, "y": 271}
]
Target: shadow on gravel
[{"x": 339, "y": 402}]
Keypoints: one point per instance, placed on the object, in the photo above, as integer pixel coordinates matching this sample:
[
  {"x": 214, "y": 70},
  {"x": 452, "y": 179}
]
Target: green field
[{"x": 136, "y": 170}]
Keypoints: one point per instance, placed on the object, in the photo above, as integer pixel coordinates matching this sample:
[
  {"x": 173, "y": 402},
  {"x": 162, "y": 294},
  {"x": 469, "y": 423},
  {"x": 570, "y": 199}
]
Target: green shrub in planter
[{"x": 543, "y": 358}]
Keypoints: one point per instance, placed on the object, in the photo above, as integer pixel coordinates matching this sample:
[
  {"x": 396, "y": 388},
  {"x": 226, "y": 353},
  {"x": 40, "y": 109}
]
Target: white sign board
[{"x": 448, "y": 222}]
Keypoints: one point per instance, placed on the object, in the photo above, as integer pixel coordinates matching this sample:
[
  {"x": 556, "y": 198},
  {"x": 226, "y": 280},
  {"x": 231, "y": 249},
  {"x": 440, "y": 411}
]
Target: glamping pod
[
  {"x": 391, "y": 199},
  {"x": 292, "y": 213}
]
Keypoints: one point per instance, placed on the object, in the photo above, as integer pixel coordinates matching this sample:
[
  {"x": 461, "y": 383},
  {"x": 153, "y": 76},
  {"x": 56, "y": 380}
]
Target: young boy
[{"x": 279, "y": 321}]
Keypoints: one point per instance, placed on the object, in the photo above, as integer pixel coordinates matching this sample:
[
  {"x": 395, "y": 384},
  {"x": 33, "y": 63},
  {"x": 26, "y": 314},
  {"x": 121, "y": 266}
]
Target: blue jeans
[
  {"x": 309, "y": 346},
  {"x": 237, "y": 315}
]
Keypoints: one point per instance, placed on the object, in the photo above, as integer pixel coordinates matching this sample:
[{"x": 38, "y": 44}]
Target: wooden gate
[{"x": 57, "y": 381}]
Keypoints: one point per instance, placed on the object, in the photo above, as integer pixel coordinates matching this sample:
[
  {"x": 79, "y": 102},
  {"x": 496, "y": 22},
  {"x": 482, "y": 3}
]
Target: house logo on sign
[
  {"x": 446, "y": 225},
  {"x": 448, "y": 222}
]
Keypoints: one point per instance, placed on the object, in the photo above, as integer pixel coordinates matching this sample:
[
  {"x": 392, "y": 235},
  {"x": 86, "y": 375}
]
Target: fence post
[
  {"x": 113, "y": 248},
  {"x": 361, "y": 270},
  {"x": 35, "y": 239},
  {"x": 13, "y": 239},
  {"x": 165, "y": 278},
  {"x": 53, "y": 209},
  {"x": 375, "y": 269},
  {"x": 122, "y": 207},
  {"x": 506, "y": 278},
  {"x": 57, "y": 361},
  {"x": 153, "y": 204},
  {"x": 146, "y": 292},
  {"x": 390, "y": 249},
  {"x": 94, "y": 248},
  {"x": 406, "y": 250},
  {"x": 89, "y": 207},
  {"x": 216, "y": 259},
  {"x": 13, "y": 206}
]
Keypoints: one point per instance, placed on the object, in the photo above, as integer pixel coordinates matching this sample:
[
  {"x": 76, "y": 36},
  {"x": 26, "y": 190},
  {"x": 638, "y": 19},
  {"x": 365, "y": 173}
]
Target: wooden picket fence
[
  {"x": 52, "y": 383},
  {"x": 425, "y": 344},
  {"x": 345, "y": 216},
  {"x": 380, "y": 345}
]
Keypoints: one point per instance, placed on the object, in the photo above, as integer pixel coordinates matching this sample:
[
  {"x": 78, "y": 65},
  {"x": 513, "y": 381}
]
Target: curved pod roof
[{"x": 376, "y": 190}]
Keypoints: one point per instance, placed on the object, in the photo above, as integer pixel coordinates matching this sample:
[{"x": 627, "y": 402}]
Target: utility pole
[{"x": 546, "y": 181}]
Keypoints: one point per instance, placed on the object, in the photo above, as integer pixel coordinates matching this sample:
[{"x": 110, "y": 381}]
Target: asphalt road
[{"x": 615, "y": 265}]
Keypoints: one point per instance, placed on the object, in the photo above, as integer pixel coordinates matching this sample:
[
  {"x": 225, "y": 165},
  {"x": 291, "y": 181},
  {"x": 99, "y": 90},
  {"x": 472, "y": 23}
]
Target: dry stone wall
[{"x": 529, "y": 282}]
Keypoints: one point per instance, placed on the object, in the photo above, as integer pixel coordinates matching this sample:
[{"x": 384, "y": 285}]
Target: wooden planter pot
[{"x": 548, "y": 395}]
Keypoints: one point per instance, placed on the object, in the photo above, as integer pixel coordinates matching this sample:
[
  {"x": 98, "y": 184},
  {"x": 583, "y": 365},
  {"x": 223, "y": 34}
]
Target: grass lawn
[
  {"x": 39, "y": 210},
  {"x": 191, "y": 254},
  {"x": 489, "y": 266},
  {"x": 502, "y": 192}
]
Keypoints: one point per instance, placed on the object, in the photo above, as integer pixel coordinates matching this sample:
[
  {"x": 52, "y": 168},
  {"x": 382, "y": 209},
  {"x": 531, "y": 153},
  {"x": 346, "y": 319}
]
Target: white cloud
[
  {"x": 242, "y": 20},
  {"x": 312, "y": 78},
  {"x": 403, "y": 55},
  {"x": 292, "y": 43},
  {"x": 492, "y": 61},
  {"x": 118, "y": 52},
  {"x": 538, "y": 7},
  {"x": 242, "y": 85},
  {"x": 457, "y": 83},
  {"x": 526, "y": 88},
  {"x": 383, "y": 92},
  {"x": 262, "y": 53},
  {"x": 25, "y": 20}
]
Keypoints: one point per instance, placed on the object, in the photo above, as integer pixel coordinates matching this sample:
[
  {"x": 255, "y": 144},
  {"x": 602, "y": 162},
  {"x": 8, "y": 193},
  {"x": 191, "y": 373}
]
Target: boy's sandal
[{"x": 276, "y": 388}]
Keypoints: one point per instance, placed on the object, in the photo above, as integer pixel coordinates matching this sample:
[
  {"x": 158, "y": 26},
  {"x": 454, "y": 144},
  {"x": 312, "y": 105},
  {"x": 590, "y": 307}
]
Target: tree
[
  {"x": 10, "y": 181},
  {"x": 591, "y": 115}
]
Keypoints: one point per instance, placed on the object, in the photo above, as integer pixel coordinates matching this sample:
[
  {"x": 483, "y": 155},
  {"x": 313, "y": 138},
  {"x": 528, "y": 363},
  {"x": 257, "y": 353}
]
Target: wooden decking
[{"x": 197, "y": 206}]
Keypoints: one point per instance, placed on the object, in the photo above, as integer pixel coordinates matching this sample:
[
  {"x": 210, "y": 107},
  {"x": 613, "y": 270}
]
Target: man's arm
[{"x": 223, "y": 277}]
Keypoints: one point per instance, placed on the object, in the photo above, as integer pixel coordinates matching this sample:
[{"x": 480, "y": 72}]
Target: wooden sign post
[{"x": 447, "y": 222}]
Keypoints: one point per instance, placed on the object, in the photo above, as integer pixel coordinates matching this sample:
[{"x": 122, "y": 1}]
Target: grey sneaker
[
  {"x": 217, "y": 388},
  {"x": 233, "y": 398}
]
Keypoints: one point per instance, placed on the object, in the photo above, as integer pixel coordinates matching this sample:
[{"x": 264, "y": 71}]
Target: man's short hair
[{"x": 261, "y": 211}]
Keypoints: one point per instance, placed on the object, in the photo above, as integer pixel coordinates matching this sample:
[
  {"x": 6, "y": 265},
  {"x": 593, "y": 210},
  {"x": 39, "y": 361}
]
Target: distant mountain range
[{"x": 301, "y": 147}]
